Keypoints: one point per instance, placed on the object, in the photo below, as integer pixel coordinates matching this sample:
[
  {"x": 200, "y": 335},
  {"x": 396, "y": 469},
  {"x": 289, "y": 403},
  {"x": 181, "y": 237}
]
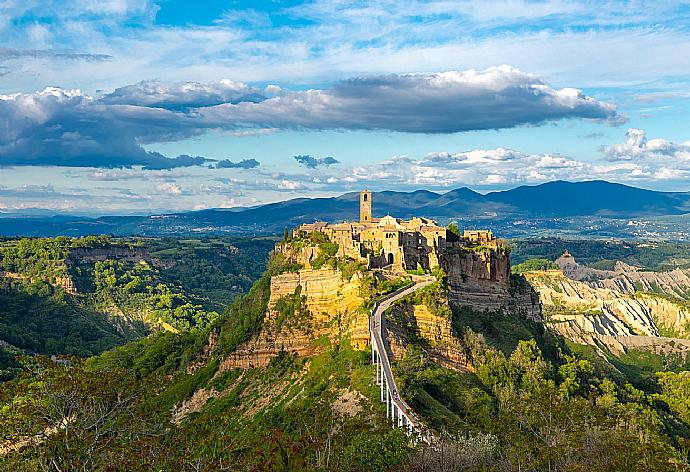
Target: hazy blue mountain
[
  {"x": 549, "y": 200},
  {"x": 596, "y": 197}
]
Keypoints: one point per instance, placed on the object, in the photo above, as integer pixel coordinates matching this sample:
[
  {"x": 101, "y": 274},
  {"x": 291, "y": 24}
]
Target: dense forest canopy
[{"x": 81, "y": 296}]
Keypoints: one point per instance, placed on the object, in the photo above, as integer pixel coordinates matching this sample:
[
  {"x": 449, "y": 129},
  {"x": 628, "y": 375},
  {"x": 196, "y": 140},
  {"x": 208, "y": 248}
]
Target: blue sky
[{"x": 122, "y": 106}]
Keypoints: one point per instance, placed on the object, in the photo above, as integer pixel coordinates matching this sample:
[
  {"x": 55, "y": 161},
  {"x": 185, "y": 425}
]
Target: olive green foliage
[
  {"x": 348, "y": 268},
  {"x": 433, "y": 296},
  {"x": 372, "y": 287},
  {"x": 656, "y": 256},
  {"x": 295, "y": 430},
  {"x": 212, "y": 271},
  {"x": 533, "y": 264},
  {"x": 137, "y": 289},
  {"x": 293, "y": 312},
  {"x": 181, "y": 284},
  {"x": 544, "y": 414},
  {"x": 327, "y": 255},
  {"x": 43, "y": 257},
  {"x": 40, "y": 318},
  {"x": 244, "y": 317},
  {"x": 504, "y": 331},
  {"x": 279, "y": 264},
  {"x": 529, "y": 402},
  {"x": 675, "y": 392},
  {"x": 160, "y": 353},
  {"x": 640, "y": 366},
  {"x": 453, "y": 228},
  {"x": 9, "y": 365}
]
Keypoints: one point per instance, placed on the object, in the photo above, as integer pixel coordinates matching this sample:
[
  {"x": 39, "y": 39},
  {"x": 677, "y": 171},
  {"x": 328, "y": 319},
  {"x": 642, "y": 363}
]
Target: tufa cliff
[
  {"x": 305, "y": 306},
  {"x": 318, "y": 296},
  {"x": 481, "y": 280}
]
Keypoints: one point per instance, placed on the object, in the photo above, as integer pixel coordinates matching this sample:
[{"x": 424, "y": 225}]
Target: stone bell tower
[{"x": 365, "y": 206}]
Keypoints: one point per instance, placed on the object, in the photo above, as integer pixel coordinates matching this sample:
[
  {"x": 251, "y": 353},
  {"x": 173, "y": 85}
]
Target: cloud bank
[
  {"x": 62, "y": 127},
  {"x": 638, "y": 147},
  {"x": 446, "y": 102}
]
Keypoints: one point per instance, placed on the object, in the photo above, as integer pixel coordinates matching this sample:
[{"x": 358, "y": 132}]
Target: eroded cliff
[{"x": 481, "y": 280}]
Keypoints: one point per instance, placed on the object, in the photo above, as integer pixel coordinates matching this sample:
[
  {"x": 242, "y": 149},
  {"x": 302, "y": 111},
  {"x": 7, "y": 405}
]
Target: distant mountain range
[{"x": 556, "y": 199}]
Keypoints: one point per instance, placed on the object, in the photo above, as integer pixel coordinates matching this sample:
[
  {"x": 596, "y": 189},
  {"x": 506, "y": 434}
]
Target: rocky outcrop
[
  {"x": 413, "y": 323},
  {"x": 601, "y": 312},
  {"x": 482, "y": 281},
  {"x": 120, "y": 253},
  {"x": 628, "y": 279},
  {"x": 334, "y": 311},
  {"x": 675, "y": 282},
  {"x": 579, "y": 311},
  {"x": 669, "y": 316},
  {"x": 65, "y": 283}
]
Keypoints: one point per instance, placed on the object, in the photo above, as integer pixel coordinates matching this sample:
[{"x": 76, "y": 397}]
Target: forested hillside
[
  {"x": 81, "y": 296},
  {"x": 525, "y": 400}
]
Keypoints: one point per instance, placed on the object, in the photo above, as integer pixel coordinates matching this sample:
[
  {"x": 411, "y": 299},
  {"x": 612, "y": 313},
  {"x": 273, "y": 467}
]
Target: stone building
[{"x": 385, "y": 243}]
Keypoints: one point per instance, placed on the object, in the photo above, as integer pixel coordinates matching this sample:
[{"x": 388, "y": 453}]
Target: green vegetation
[
  {"x": 532, "y": 265},
  {"x": 212, "y": 271},
  {"x": 602, "y": 254},
  {"x": 530, "y": 401},
  {"x": 292, "y": 311},
  {"x": 533, "y": 404},
  {"x": 327, "y": 255},
  {"x": 244, "y": 317},
  {"x": 453, "y": 228},
  {"x": 124, "y": 287},
  {"x": 40, "y": 318},
  {"x": 433, "y": 296},
  {"x": 298, "y": 431}
]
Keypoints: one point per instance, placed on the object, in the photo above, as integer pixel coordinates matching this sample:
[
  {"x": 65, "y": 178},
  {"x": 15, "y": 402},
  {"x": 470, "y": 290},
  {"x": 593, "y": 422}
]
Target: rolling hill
[{"x": 550, "y": 200}]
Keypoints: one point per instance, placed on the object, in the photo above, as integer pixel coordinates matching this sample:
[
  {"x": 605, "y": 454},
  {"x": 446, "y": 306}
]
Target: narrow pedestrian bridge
[{"x": 396, "y": 409}]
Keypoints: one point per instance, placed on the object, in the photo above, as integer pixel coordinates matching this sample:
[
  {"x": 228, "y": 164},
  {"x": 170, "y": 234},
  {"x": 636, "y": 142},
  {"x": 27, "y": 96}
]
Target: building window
[{"x": 365, "y": 197}]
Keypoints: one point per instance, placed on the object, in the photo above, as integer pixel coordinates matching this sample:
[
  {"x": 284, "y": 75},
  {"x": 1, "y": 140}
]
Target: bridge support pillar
[{"x": 388, "y": 403}]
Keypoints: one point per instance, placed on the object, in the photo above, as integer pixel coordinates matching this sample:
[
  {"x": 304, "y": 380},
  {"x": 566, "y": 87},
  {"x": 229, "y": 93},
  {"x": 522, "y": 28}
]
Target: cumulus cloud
[
  {"x": 446, "y": 102},
  {"x": 290, "y": 185},
  {"x": 69, "y": 128},
  {"x": 638, "y": 147},
  {"x": 243, "y": 164},
  {"x": 636, "y": 160},
  {"x": 312, "y": 162}
]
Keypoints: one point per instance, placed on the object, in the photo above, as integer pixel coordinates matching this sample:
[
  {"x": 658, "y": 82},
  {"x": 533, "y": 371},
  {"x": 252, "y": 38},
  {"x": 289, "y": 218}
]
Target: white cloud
[
  {"x": 444, "y": 102},
  {"x": 638, "y": 147},
  {"x": 290, "y": 185},
  {"x": 169, "y": 188},
  {"x": 494, "y": 179},
  {"x": 70, "y": 128}
]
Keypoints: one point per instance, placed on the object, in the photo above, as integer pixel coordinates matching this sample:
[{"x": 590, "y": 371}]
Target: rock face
[
  {"x": 481, "y": 280},
  {"x": 128, "y": 254},
  {"x": 407, "y": 322},
  {"x": 628, "y": 279},
  {"x": 65, "y": 283},
  {"x": 334, "y": 311},
  {"x": 331, "y": 307},
  {"x": 606, "y": 311}
]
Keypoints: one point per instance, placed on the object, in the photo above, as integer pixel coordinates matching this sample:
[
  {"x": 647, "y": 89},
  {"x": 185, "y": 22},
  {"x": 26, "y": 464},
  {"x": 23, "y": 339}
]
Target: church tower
[{"x": 365, "y": 206}]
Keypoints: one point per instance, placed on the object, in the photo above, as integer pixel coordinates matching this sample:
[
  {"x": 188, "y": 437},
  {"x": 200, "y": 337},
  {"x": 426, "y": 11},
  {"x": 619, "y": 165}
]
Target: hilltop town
[{"x": 394, "y": 244}]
